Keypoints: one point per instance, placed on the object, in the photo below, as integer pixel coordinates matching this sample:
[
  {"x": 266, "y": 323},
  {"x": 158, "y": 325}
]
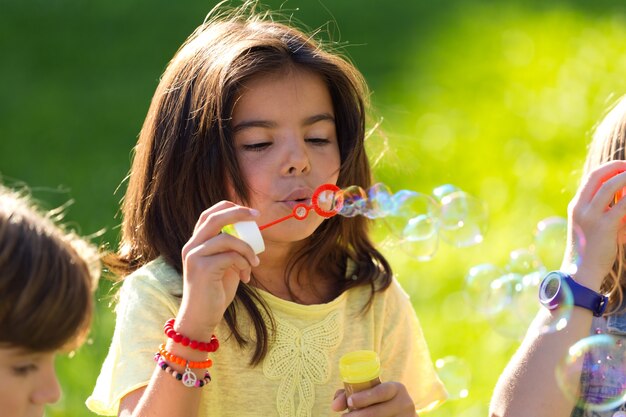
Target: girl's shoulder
[
  {"x": 156, "y": 275},
  {"x": 394, "y": 296}
]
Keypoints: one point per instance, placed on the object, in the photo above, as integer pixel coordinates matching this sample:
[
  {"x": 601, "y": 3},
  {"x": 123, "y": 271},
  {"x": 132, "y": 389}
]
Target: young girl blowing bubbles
[
  {"x": 47, "y": 276},
  {"x": 250, "y": 117},
  {"x": 528, "y": 386}
]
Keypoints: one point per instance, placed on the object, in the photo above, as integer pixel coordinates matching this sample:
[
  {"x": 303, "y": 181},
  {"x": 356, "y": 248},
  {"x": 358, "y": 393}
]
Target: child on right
[{"x": 597, "y": 234}]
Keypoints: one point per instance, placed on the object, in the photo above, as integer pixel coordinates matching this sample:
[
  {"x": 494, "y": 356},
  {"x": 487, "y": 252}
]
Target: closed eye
[
  {"x": 318, "y": 141},
  {"x": 24, "y": 370},
  {"x": 257, "y": 147}
]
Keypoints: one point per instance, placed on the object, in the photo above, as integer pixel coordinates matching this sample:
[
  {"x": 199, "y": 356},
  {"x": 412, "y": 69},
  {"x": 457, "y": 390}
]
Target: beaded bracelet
[
  {"x": 210, "y": 346},
  {"x": 188, "y": 378},
  {"x": 180, "y": 361}
]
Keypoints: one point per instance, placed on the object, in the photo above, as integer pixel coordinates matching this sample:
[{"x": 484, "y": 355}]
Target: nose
[
  {"x": 48, "y": 390},
  {"x": 297, "y": 160}
]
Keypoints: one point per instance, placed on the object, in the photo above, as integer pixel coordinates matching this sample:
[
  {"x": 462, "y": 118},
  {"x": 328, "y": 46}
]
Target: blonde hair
[
  {"x": 609, "y": 144},
  {"x": 47, "y": 278}
]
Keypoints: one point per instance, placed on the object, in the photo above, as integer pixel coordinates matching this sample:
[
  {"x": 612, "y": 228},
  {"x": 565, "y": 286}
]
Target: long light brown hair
[
  {"x": 609, "y": 144},
  {"x": 185, "y": 154},
  {"x": 47, "y": 277}
]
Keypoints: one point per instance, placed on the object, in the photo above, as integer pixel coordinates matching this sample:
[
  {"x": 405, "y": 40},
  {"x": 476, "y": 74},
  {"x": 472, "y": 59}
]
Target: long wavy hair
[
  {"x": 186, "y": 143},
  {"x": 609, "y": 144}
]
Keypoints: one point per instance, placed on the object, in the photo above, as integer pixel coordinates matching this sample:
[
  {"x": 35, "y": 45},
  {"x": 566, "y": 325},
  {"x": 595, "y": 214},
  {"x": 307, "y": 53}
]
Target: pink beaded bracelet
[
  {"x": 188, "y": 378},
  {"x": 210, "y": 346}
]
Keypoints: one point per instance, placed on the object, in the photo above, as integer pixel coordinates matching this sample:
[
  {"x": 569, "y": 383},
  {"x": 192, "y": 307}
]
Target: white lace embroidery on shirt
[{"x": 299, "y": 358}]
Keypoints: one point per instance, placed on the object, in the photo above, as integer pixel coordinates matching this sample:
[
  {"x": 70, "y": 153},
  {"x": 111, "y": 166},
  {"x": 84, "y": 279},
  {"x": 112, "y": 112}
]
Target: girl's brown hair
[
  {"x": 609, "y": 144},
  {"x": 47, "y": 277},
  {"x": 185, "y": 154}
]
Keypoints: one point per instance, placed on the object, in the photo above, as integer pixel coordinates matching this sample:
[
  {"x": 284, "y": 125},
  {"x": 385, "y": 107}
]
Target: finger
[
  {"x": 217, "y": 244},
  {"x": 380, "y": 393},
  {"x": 244, "y": 275},
  {"x": 339, "y": 401},
  {"x": 595, "y": 181},
  {"x": 218, "y": 264},
  {"x": 618, "y": 211},
  {"x": 222, "y": 205},
  {"x": 212, "y": 221},
  {"x": 207, "y": 259},
  {"x": 604, "y": 200}
]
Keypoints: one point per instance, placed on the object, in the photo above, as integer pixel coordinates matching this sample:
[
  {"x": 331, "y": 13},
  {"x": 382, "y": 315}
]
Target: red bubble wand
[{"x": 301, "y": 211}]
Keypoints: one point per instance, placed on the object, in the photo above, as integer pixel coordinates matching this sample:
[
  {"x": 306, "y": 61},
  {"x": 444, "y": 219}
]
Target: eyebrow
[{"x": 267, "y": 124}]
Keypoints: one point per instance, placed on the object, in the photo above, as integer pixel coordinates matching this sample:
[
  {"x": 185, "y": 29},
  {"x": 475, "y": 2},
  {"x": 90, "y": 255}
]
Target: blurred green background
[{"x": 498, "y": 98}]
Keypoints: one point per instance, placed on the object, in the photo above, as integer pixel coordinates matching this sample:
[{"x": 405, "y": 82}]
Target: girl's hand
[
  {"x": 593, "y": 215},
  {"x": 213, "y": 265},
  {"x": 384, "y": 400}
]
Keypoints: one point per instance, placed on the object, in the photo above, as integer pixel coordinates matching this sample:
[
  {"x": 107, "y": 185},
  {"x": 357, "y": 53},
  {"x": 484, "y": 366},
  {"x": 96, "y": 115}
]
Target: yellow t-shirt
[{"x": 299, "y": 375}]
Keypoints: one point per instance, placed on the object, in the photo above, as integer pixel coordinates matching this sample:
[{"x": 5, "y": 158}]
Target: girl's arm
[
  {"x": 213, "y": 265},
  {"x": 528, "y": 386}
]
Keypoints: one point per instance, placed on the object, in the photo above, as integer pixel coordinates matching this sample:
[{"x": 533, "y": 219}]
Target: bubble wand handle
[
  {"x": 300, "y": 212},
  {"x": 270, "y": 224}
]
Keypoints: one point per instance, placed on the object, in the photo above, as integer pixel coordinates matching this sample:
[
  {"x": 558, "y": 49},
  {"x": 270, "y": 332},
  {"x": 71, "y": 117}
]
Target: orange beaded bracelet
[{"x": 170, "y": 357}]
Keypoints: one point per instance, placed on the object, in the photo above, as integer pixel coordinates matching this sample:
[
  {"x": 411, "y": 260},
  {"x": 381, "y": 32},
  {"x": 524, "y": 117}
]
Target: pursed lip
[{"x": 298, "y": 196}]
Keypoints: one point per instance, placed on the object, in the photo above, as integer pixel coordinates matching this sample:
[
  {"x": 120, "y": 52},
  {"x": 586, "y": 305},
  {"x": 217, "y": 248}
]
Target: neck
[{"x": 305, "y": 287}]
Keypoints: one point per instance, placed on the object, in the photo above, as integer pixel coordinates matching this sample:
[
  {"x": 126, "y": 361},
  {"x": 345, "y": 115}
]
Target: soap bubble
[
  {"x": 486, "y": 290},
  {"x": 379, "y": 201},
  {"x": 550, "y": 240},
  {"x": 602, "y": 360},
  {"x": 354, "y": 201},
  {"x": 414, "y": 224},
  {"x": 524, "y": 261},
  {"x": 455, "y": 374},
  {"x": 463, "y": 219}
]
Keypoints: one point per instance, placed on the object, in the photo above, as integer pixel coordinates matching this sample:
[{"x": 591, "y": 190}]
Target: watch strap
[{"x": 586, "y": 297}]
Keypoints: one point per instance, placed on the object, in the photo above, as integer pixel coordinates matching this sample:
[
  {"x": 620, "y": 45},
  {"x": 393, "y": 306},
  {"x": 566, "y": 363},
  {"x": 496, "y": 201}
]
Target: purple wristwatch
[{"x": 551, "y": 293}]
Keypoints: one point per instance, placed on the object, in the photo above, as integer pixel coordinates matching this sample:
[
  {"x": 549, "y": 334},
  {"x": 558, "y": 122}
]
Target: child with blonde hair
[{"x": 597, "y": 235}]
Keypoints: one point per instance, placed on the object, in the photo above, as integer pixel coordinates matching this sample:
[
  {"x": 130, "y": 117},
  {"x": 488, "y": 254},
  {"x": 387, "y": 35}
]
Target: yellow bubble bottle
[{"x": 359, "y": 370}]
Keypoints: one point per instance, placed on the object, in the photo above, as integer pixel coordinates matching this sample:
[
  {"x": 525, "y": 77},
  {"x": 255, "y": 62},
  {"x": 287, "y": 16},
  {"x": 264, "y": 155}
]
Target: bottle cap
[
  {"x": 359, "y": 366},
  {"x": 249, "y": 232}
]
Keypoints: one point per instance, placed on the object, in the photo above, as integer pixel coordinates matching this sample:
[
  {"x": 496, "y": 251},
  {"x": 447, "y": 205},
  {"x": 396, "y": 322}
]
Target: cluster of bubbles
[
  {"x": 508, "y": 295},
  {"x": 418, "y": 221}
]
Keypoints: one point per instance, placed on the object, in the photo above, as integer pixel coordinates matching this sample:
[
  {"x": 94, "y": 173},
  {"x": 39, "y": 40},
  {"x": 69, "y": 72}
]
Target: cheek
[{"x": 13, "y": 395}]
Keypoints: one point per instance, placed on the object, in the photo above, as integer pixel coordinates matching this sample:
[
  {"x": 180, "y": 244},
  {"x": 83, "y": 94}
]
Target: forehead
[{"x": 294, "y": 92}]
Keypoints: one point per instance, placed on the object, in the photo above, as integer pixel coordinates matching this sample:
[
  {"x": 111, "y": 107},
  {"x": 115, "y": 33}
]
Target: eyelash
[
  {"x": 258, "y": 147},
  {"x": 24, "y": 370}
]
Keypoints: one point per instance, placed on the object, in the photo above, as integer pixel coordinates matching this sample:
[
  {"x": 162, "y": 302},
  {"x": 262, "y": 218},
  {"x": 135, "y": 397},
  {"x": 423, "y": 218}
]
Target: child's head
[
  {"x": 186, "y": 160},
  {"x": 609, "y": 144},
  {"x": 47, "y": 277}
]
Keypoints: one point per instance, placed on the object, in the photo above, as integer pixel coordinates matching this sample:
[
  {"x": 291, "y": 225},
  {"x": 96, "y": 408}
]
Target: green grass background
[{"x": 498, "y": 98}]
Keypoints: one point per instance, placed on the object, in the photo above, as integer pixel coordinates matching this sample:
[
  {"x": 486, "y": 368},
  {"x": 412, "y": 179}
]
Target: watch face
[
  {"x": 549, "y": 292},
  {"x": 551, "y": 287}
]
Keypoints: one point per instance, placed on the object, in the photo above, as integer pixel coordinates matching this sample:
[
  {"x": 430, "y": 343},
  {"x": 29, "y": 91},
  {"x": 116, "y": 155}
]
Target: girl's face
[
  {"x": 27, "y": 382},
  {"x": 286, "y": 144}
]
